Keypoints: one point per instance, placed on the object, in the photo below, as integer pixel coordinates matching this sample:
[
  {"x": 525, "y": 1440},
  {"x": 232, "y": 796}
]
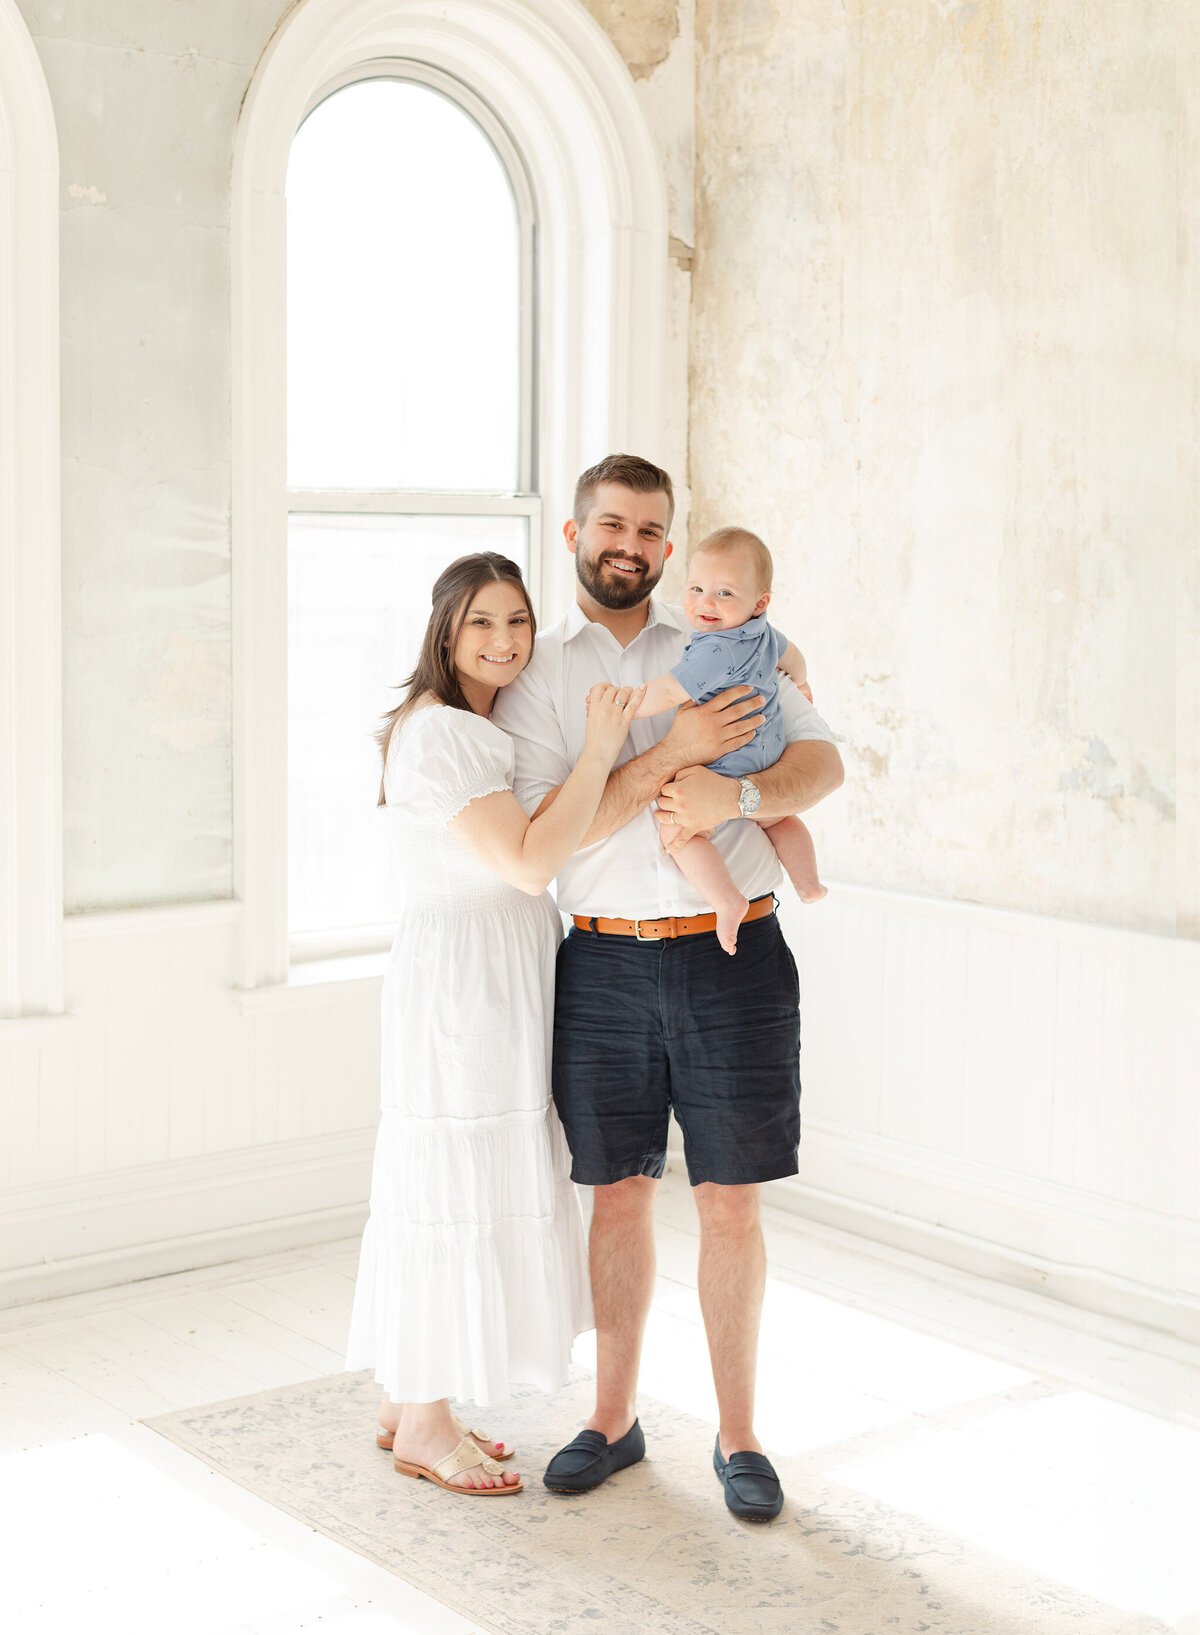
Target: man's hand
[
  {"x": 704, "y": 732},
  {"x": 698, "y": 799},
  {"x": 805, "y": 773}
]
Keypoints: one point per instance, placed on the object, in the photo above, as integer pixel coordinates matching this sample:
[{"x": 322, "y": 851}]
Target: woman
[{"x": 473, "y": 1271}]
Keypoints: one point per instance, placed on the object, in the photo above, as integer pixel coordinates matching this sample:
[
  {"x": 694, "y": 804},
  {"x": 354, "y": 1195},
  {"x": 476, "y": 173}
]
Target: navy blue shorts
[{"x": 642, "y": 1029}]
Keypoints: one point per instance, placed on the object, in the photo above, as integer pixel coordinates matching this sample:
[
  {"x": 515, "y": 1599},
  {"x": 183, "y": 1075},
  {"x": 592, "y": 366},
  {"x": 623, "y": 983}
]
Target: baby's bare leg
[
  {"x": 703, "y": 867},
  {"x": 794, "y": 847}
]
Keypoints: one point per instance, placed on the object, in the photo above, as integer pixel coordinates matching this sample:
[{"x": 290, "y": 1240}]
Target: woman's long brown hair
[{"x": 435, "y": 675}]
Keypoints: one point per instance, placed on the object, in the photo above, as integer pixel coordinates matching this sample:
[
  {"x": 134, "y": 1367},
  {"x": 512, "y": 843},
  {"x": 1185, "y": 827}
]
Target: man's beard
[{"x": 615, "y": 593}]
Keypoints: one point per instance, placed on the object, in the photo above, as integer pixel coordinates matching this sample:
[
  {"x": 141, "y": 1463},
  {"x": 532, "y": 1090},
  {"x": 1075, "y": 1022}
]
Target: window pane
[
  {"x": 359, "y": 598},
  {"x": 403, "y": 297}
]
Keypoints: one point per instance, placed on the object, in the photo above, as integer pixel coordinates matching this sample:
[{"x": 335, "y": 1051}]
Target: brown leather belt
[{"x": 673, "y": 926}]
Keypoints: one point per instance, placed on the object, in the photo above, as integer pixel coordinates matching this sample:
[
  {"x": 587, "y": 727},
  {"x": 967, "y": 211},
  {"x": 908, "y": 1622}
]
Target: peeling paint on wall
[{"x": 643, "y": 31}]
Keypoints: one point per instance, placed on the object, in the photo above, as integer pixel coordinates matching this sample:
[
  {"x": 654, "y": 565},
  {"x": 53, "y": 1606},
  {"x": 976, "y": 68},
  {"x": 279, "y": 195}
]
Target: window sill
[
  {"x": 317, "y": 982},
  {"x": 37, "y": 1030}
]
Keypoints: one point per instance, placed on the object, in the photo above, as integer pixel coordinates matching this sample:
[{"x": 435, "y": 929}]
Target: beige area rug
[{"x": 652, "y": 1552}]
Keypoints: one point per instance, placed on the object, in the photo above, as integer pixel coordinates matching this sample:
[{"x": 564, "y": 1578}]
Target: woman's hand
[{"x": 610, "y": 712}]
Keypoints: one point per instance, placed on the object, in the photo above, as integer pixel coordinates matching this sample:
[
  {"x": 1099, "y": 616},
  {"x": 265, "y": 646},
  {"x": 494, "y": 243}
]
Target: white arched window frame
[
  {"x": 556, "y": 92},
  {"x": 31, "y": 900}
]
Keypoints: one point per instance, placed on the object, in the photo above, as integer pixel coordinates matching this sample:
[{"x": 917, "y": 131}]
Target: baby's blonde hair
[{"x": 727, "y": 540}]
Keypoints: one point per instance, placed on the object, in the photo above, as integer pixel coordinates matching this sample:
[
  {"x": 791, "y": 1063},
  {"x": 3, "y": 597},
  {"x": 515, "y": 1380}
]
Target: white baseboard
[
  {"x": 122, "y": 1226},
  {"x": 1141, "y": 1367},
  {"x": 857, "y": 1184},
  {"x": 1093, "y": 1254}
]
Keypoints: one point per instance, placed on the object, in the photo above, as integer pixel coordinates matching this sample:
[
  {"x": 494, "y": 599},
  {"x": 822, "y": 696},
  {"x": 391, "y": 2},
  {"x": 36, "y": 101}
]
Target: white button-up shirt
[{"x": 628, "y": 876}]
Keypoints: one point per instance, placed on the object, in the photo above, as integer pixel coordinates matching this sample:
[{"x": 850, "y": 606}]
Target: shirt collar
[
  {"x": 659, "y": 613},
  {"x": 750, "y": 631},
  {"x": 575, "y": 621}
]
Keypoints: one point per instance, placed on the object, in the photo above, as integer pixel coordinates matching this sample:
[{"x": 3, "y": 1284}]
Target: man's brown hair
[
  {"x": 631, "y": 471},
  {"x": 730, "y": 539}
]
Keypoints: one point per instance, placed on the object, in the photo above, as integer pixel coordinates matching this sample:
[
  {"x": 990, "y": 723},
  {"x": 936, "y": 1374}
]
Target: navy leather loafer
[
  {"x": 752, "y": 1489},
  {"x": 590, "y": 1460}
]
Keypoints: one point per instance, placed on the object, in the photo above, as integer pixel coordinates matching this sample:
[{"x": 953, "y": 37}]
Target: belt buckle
[{"x": 637, "y": 931}]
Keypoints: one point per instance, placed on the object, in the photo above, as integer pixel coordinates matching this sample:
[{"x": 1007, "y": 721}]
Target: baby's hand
[{"x": 802, "y": 686}]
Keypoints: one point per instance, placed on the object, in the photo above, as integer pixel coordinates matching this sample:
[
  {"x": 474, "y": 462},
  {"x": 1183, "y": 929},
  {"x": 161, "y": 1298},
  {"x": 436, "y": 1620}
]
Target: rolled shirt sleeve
[{"x": 800, "y": 720}]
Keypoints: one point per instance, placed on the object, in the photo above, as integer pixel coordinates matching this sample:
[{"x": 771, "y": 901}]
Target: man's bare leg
[
  {"x": 733, "y": 1273},
  {"x": 621, "y": 1259}
]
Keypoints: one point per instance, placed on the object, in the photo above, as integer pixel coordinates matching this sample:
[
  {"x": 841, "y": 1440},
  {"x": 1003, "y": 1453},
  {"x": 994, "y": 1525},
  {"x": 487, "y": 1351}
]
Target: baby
[{"x": 729, "y": 587}]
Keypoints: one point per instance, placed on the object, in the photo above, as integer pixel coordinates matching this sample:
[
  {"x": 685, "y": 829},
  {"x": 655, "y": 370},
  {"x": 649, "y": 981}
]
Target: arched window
[
  {"x": 537, "y": 92},
  {"x": 410, "y": 374}
]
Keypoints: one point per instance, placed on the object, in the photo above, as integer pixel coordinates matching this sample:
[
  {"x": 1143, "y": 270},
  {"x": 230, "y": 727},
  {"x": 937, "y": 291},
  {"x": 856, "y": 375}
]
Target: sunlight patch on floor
[
  {"x": 826, "y": 1373},
  {"x": 98, "y": 1539},
  {"x": 1087, "y": 1492}
]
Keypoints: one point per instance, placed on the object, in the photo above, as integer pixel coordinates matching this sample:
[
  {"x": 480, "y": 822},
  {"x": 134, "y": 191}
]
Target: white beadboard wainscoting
[
  {"x": 999, "y": 1093},
  {"x": 1004, "y": 1094},
  {"x": 172, "y": 1121}
]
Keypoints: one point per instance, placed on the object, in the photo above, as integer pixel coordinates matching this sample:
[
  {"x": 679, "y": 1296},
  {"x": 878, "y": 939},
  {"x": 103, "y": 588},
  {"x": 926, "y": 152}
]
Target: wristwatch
[{"x": 750, "y": 798}]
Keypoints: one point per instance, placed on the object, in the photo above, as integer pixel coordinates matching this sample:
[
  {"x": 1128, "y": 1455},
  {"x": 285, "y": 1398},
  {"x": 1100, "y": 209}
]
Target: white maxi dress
[{"x": 473, "y": 1271}]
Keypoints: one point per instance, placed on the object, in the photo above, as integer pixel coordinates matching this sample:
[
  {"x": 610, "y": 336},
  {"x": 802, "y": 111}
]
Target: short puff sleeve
[{"x": 443, "y": 759}]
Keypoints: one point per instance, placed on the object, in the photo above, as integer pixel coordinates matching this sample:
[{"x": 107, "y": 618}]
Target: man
[{"x": 650, "y": 1013}]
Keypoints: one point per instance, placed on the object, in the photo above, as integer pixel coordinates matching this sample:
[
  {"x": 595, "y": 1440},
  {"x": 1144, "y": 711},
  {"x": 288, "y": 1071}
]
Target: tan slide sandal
[
  {"x": 466, "y": 1456},
  {"x": 384, "y": 1438}
]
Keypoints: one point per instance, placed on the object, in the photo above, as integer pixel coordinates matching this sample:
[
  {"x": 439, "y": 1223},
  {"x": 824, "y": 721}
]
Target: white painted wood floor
[{"x": 106, "y": 1527}]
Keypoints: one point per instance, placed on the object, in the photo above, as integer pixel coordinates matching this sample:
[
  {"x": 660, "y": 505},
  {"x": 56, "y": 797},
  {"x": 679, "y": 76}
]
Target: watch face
[{"x": 750, "y": 799}]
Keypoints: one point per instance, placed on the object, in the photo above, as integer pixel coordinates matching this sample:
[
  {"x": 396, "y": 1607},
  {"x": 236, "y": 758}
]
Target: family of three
[{"x": 518, "y": 1064}]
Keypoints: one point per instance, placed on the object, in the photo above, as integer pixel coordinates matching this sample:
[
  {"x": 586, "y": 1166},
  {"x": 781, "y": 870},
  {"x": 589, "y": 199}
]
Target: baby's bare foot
[
  {"x": 729, "y": 917},
  {"x": 813, "y": 894}
]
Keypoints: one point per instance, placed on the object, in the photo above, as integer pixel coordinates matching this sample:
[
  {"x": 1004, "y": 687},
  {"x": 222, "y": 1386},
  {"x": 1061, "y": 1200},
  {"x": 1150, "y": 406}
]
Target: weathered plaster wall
[
  {"x": 146, "y": 97},
  {"x": 934, "y": 363},
  {"x": 1187, "y": 622},
  {"x": 643, "y": 31}
]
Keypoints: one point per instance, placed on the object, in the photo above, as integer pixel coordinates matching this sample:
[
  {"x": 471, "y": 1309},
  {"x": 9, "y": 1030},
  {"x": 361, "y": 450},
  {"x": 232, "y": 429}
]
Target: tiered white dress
[{"x": 473, "y": 1272}]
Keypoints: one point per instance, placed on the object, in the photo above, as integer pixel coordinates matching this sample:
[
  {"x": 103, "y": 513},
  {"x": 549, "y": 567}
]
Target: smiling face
[
  {"x": 723, "y": 589},
  {"x": 622, "y": 547},
  {"x": 496, "y": 638}
]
